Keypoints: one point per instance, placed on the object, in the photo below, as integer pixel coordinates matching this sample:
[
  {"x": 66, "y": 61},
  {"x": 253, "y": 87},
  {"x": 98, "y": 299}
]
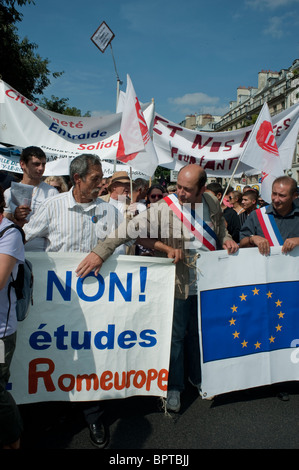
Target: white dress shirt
[{"x": 70, "y": 226}]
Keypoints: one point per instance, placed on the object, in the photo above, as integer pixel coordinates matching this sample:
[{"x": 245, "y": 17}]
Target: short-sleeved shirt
[
  {"x": 41, "y": 193},
  {"x": 11, "y": 243},
  {"x": 288, "y": 225}
]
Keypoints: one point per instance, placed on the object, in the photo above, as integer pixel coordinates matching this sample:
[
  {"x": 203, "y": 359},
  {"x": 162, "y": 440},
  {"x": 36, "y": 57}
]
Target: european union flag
[{"x": 243, "y": 320}]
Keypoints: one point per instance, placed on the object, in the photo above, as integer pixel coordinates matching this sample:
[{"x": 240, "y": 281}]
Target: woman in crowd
[
  {"x": 11, "y": 255},
  {"x": 58, "y": 182},
  {"x": 235, "y": 198},
  {"x": 154, "y": 194}
]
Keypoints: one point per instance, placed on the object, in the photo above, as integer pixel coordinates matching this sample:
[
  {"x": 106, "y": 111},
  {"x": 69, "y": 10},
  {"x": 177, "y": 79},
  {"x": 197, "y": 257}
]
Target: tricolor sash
[
  {"x": 269, "y": 227},
  {"x": 192, "y": 222}
]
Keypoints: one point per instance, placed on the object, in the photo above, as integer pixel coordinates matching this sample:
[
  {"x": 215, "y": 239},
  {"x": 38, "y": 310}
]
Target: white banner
[
  {"x": 62, "y": 137},
  {"x": 248, "y": 319},
  {"x": 24, "y": 123},
  {"x": 219, "y": 152},
  {"x": 98, "y": 338}
]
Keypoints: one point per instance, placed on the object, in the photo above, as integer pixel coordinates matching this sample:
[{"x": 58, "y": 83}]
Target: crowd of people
[{"x": 67, "y": 214}]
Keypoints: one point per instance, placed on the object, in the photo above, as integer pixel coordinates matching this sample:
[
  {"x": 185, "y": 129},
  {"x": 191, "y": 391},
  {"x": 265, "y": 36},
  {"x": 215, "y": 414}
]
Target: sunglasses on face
[{"x": 156, "y": 196}]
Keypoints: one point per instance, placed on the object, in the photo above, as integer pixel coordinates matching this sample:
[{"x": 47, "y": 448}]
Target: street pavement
[{"x": 250, "y": 419}]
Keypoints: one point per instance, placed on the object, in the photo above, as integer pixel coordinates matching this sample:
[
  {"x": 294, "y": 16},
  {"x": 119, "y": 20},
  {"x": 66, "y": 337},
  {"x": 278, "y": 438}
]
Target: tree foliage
[
  {"x": 20, "y": 65},
  {"x": 59, "y": 105}
]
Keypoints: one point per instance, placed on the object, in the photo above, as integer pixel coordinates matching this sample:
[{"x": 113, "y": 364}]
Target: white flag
[
  {"x": 135, "y": 144},
  {"x": 261, "y": 152}
]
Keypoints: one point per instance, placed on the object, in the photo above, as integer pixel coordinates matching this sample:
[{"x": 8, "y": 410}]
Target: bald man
[{"x": 174, "y": 215}]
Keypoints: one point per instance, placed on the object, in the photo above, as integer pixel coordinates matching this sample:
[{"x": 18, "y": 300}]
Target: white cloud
[
  {"x": 201, "y": 103},
  {"x": 194, "y": 99},
  {"x": 275, "y": 28},
  {"x": 270, "y": 4}
]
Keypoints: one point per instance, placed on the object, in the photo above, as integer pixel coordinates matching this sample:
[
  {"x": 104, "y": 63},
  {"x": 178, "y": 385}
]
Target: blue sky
[{"x": 190, "y": 56}]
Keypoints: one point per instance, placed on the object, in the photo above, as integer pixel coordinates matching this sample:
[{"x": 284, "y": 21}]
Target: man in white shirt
[
  {"x": 33, "y": 163},
  {"x": 74, "y": 222},
  {"x": 119, "y": 189}
]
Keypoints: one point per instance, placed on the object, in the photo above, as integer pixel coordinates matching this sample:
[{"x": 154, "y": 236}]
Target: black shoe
[
  {"x": 98, "y": 434},
  {"x": 284, "y": 396}
]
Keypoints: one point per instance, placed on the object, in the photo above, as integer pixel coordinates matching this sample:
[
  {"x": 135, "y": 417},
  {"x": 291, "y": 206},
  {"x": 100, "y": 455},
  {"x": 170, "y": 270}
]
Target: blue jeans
[{"x": 184, "y": 340}]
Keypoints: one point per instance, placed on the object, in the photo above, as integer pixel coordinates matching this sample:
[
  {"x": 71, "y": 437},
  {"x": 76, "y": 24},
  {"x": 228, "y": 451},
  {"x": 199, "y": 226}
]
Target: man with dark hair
[
  {"x": 75, "y": 221},
  {"x": 276, "y": 224},
  {"x": 249, "y": 202},
  {"x": 187, "y": 223},
  {"x": 33, "y": 163}
]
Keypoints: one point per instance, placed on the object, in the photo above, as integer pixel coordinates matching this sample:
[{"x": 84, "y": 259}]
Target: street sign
[{"x": 102, "y": 37}]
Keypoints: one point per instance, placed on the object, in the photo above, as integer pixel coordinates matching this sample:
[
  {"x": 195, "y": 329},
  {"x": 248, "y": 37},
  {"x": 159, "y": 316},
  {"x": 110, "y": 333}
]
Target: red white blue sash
[
  {"x": 269, "y": 227},
  {"x": 192, "y": 222}
]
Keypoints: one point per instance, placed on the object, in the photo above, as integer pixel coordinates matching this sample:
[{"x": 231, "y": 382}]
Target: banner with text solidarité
[
  {"x": 249, "y": 322},
  {"x": 62, "y": 137},
  {"x": 95, "y": 338}
]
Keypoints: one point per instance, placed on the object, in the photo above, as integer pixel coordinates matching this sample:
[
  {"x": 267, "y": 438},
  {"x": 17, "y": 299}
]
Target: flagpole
[
  {"x": 231, "y": 178},
  {"x": 118, "y": 83}
]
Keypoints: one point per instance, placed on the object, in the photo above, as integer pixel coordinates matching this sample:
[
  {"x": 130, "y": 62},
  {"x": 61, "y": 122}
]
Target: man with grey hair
[{"x": 76, "y": 221}]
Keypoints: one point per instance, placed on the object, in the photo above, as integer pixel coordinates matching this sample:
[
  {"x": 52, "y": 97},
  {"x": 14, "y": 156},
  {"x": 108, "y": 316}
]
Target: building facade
[{"x": 280, "y": 90}]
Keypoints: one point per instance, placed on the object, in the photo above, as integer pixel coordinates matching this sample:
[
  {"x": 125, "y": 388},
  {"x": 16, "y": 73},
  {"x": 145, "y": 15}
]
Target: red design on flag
[
  {"x": 144, "y": 132},
  {"x": 266, "y": 139}
]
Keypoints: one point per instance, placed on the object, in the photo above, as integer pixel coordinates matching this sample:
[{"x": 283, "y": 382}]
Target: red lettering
[
  {"x": 198, "y": 142},
  {"x": 106, "y": 377},
  {"x": 210, "y": 165},
  {"x": 157, "y": 119},
  {"x": 245, "y": 139},
  {"x": 287, "y": 123},
  {"x": 215, "y": 146},
  {"x": 174, "y": 129},
  {"x": 66, "y": 388},
  {"x": 163, "y": 377},
  {"x": 227, "y": 146},
  {"x": 152, "y": 375},
  {"x": 34, "y": 375}
]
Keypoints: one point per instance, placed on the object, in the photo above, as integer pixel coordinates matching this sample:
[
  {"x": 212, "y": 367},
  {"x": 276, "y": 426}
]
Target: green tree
[
  {"x": 20, "y": 66},
  {"x": 59, "y": 105}
]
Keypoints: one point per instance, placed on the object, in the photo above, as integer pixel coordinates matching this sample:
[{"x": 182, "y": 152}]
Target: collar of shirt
[
  {"x": 270, "y": 210},
  {"x": 73, "y": 203}
]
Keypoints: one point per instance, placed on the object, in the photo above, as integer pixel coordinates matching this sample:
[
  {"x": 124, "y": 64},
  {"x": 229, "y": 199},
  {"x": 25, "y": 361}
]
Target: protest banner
[
  {"x": 24, "y": 123},
  {"x": 248, "y": 319},
  {"x": 64, "y": 137},
  {"x": 95, "y": 338},
  {"x": 219, "y": 152}
]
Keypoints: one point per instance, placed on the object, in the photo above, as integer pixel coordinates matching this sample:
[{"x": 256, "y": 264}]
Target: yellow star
[
  {"x": 255, "y": 291},
  {"x": 280, "y": 314},
  {"x": 243, "y": 297},
  {"x": 278, "y": 327},
  {"x": 232, "y": 321},
  {"x": 244, "y": 344},
  {"x": 269, "y": 295},
  {"x": 278, "y": 303},
  {"x": 234, "y": 308},
  {"x": 236, "y": 334},
  {"x": 257, "y": 345},
  {"x": 271, "y": 339}
]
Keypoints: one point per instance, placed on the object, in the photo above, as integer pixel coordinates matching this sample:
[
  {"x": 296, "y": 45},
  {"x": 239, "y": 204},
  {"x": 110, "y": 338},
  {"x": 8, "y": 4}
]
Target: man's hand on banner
[
  {"x": 290, "y": 244},
  {"x": 92, "y": 262},
  {"x": 231, "y": 246},
  {"x": 153, "y": 244}
]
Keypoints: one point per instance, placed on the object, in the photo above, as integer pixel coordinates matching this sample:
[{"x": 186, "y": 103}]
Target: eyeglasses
[{"x": 156, "y": 196}]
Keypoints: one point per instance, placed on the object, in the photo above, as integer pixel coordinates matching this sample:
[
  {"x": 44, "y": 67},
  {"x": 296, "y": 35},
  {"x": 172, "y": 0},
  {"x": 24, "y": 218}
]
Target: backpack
[{"x": 23, "y": 283}]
